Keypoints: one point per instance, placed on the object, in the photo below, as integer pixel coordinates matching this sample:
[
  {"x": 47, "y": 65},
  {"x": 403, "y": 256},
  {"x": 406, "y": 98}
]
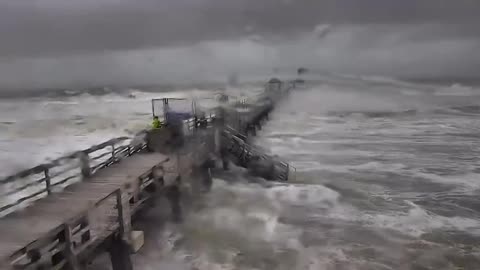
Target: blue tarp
[{"x": 178, "y": 116}]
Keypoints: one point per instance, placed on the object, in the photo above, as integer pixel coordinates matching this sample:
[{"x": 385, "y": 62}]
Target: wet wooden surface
[{"x": 48, "y": 214}]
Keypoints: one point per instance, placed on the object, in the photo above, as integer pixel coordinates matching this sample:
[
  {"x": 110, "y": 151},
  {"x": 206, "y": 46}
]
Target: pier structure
[{"x": 62, "y": 214}]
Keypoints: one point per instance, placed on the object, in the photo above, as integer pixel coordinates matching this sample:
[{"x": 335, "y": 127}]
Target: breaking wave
[
  {"x": 456, "y": 90},
  {"x": 374, "y": 114}
]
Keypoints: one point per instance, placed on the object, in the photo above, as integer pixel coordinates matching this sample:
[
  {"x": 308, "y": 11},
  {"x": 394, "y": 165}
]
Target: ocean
[{"x": 386, "y": 178}]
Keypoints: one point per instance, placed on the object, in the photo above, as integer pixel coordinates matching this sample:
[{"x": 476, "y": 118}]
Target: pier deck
[{"x": 47, "y": 216}]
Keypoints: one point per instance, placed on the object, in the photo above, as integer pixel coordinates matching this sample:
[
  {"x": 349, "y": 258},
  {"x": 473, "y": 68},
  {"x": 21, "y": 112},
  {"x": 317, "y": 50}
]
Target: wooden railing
[
  {"x": 245, "y": 152},
  {"x": 77, "y": 237},
  {"x": 29, "y": 185}
]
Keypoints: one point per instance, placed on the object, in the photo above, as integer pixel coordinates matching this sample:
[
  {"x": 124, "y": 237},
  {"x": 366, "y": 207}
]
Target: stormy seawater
[
  {"x": 387, "y": 178},
  {"x": 35, "y": 129}
]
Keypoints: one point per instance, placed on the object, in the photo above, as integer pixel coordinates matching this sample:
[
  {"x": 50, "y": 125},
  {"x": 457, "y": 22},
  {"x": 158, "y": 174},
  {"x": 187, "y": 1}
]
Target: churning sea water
[{"x": 387, "y": 178}]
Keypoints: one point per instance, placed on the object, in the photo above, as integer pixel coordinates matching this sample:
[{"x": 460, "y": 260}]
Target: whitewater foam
[
  {"x": 456, "y": 90},
  {"x": 418, "y": 221},
  {"x": 468, "y": 182}
]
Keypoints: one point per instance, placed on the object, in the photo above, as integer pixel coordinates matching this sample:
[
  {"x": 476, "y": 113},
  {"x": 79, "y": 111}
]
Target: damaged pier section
[{"x": 62, "y": 214}]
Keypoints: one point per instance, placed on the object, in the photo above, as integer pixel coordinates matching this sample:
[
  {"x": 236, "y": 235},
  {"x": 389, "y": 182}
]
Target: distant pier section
[{"x": 62, "y": 214}]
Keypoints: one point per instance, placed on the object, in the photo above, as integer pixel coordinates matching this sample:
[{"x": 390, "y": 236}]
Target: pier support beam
[
  {"x": 224, "y": 157},
  {"x": 173, "y": 195},
  {"x": 120, "y": 254},
  {"x": 206, "y": 175},
  {"x": 225, "y": 164},
  {"x": 252, "y": 130},
  {"x": 207, "y": 180}
]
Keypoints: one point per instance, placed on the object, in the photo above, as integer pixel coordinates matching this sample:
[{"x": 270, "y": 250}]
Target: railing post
[
  {"x": 118, "y": 196},
  {"x": 47, "y": 181},
  {"x": 288, "y": 172},
  {"x": 70, "y": 256},
  {"x": 113, "y": 152},
  {"x": 85, "y": 165},
  {"x": 123, "y": 215}
]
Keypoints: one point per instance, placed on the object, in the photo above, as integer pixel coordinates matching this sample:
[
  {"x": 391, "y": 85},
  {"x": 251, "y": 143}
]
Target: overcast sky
[
  {"x": 36, "y": 27},
  {"x": 68, "y": 30}
]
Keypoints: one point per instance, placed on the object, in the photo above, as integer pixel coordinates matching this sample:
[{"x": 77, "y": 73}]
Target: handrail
[
  {"x": 247, "y": 151},
  {"x": 42, "y": 167},
  {"x": 28, "y": 185}
]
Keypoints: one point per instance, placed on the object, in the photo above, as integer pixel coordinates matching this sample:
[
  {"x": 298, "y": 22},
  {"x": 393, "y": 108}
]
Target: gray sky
[
  {"x": 38, "y": 27},
  {"x": 60, "y": 33}
]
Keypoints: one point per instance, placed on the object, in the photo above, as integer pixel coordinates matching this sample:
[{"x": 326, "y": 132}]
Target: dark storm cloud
[
  {"x": 42, "y": 27},
  {"x": 47, "y": 43}
]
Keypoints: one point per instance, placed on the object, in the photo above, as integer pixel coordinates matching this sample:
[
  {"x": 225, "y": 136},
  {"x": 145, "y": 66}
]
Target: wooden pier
[{"x": 61, "y": 214}]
